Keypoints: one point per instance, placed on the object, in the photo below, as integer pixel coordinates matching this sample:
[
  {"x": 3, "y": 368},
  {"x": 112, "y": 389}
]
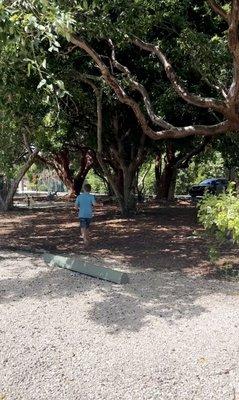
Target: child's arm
[
  {"x": 77, "y": 206},
  {"x": 96, "y": 203}
]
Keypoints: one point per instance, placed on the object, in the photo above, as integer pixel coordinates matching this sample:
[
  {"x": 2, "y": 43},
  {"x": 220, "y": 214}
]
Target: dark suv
[{"x": 213, "y": 186}]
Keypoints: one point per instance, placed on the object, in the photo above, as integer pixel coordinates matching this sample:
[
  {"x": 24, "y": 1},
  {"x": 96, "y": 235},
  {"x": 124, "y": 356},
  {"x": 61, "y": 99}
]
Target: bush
[
  {"x": 98, "y": 185},
  {"x": 219, "y": 215}
]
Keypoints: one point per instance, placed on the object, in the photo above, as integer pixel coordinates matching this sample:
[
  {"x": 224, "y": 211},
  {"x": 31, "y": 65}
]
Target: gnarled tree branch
[
  {"x": 218, "y": 9},
  {"x": 204, "y": 102},
  {"x": 172, "y": 132},
  {"x": 114, "y": 84},
  {"x": 182, "y": 162},
  {"x": 141, "y": 89},
  {"x": 197, "y": 130}
]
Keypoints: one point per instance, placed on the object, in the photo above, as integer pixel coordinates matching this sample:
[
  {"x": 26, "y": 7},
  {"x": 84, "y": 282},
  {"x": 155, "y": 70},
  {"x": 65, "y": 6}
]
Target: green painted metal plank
[{"x": 85, "y": 267}]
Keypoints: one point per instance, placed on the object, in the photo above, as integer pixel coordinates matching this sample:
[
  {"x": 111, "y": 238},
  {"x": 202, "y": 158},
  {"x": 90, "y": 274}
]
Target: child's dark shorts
[{"x": 85, "y": 222}]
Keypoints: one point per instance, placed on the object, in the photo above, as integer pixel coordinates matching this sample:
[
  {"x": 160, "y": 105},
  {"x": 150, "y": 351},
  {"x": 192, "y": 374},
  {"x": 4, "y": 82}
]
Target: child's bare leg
[{"x": 85, "y": 236}]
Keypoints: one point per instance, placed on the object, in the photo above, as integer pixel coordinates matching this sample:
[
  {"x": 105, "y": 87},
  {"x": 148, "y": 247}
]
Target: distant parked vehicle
[{"x": 212, "y": 186}]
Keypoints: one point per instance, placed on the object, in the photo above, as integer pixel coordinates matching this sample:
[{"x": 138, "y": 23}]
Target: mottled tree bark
[{"x": 165, "y": 176}]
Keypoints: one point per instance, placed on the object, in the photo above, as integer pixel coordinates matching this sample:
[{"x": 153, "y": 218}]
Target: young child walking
[{"x": 84, "y": 204}]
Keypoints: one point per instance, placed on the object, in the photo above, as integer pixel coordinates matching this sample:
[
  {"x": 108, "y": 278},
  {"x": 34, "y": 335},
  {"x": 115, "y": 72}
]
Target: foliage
[
  {"x": 146, "y": 179},
  {"x": 97, "y": 184},
  {"x": 219, "y": 215}
]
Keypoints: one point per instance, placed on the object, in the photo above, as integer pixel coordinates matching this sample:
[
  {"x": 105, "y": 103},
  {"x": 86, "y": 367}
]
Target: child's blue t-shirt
[{"x": 85, "y": 201}]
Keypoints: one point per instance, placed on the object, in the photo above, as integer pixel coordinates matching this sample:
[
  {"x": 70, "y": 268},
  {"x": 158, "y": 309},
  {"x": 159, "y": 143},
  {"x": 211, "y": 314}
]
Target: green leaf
[
  {"x": 29, "y": 66},
  {"x": 44, "y": 64},
  {"x": 41, "y": 83},
  {"x": 60, "y": 84}
]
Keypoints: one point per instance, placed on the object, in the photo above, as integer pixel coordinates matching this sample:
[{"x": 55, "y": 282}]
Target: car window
[
  {"x": 221, "y": 182},
  {"x": 209, "y": 182},
  {"x": 206, "y": 182},
  {"x": 224, "y": 182}
]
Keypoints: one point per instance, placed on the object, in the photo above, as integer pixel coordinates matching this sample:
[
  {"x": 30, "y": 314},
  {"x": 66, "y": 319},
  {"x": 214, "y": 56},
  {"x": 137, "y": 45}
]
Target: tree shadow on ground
[
  {"x": 151, "y": 295},
  {"x": 158, "y": 237},
  {"x": 43, "y": 283},
  {"x": 161, "y": 298}
]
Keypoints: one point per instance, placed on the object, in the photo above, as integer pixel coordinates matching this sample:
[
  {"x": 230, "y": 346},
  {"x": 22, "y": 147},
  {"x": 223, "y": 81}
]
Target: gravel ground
[{"x": 163, "y": 336}]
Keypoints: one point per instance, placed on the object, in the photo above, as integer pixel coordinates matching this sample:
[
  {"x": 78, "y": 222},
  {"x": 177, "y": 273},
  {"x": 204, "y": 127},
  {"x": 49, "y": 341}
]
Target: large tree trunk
[
  {"x": 78, "y": 183},
  {"x": 6, "y": 199},
  {"x": 166, "y": 177},
  {"x": 166, "y": 169},
  {"x": 122, "y": 182},
  {"x": 128, "y": 195},
  {"x": 172, "y": 187},
  {"x": 158, "y": 172},
  {"x": 124, "y": 172},
  {"x": 166, "y": 182},
  {"x": 68, "y": 182},
  {"x": 87, "y": 162},
  {"x": 61, "y": 164}
]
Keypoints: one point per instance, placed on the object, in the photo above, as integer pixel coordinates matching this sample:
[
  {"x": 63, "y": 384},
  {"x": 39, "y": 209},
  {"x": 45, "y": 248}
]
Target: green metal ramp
[{"x": 85, "y": 266}]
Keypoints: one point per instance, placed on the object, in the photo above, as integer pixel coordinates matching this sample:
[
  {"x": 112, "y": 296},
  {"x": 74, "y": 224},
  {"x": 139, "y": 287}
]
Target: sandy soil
[{"x": 163, "y": 336}]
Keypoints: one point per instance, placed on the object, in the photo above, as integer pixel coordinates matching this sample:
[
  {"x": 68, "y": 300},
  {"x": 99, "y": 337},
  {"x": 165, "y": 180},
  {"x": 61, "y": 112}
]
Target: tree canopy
[{"x": 67, "y": 65}]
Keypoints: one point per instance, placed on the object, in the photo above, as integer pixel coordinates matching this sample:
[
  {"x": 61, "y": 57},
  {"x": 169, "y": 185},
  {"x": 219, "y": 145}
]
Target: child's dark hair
[{"x": 87, "y": 187}]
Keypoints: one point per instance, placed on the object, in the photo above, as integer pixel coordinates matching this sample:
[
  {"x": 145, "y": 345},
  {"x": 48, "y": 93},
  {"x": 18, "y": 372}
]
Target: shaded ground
[{"x": 158, "y": 237}]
